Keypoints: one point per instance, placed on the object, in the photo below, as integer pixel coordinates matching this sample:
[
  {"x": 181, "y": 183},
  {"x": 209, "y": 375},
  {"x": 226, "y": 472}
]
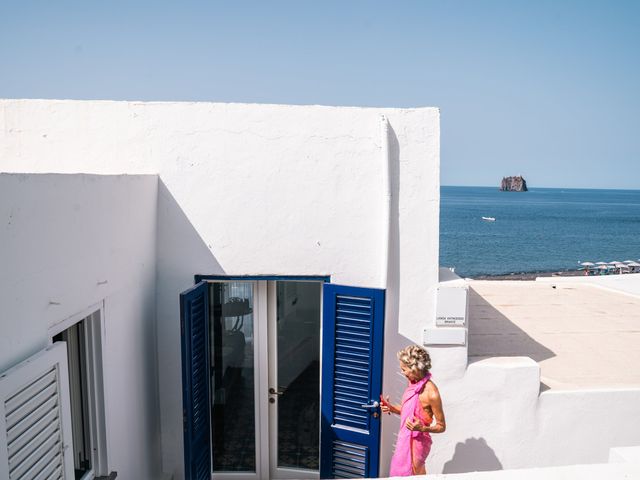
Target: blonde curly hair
[{"x": 417, "y": 359}]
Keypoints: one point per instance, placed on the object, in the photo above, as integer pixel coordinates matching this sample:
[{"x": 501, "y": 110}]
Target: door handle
[
  {"x": 375, "y": 404},
  {"x": 273, "y": 391}
]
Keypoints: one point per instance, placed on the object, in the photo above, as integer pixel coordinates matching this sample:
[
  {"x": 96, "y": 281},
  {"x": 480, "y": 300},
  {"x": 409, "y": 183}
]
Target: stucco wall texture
[{"x": 241, "y": 189}]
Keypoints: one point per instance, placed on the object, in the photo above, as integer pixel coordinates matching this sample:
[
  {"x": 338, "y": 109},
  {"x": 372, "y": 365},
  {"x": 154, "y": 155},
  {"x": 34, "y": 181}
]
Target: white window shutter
[{"x": 35, "y": 418}]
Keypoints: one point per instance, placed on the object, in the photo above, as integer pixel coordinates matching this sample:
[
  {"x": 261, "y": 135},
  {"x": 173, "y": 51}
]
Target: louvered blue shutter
[
  {"x": 194, "y": 325},
  {"x": 352, "y": 347}
]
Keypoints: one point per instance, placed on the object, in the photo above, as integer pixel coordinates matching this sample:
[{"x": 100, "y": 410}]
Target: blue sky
[{"x": 546, "y": 89}]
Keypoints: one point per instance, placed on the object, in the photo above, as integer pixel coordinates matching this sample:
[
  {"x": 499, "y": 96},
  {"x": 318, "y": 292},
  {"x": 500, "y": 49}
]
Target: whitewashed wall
[
  {"x": 257, "y": 189},
  {"x": 498, "y": 419},
  {"x": 68, "y": 242}
]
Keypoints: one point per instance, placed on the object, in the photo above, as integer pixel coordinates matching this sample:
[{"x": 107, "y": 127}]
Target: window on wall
[
  {"x": 84, "y": 359},
  {"x": 75, "y": 338},
  {"x": 52, "y": 421}
]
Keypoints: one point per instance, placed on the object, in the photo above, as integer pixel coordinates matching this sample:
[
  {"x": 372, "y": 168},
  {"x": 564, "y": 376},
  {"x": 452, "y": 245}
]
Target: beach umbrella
[
  {"x": 614, "y": 262},
  {"x": 587, "y": 264},
  {"x": 604, "y": 269},
  {"x": 633, "y": 265},
  {"x": 618, "y": 266},
  {"x": 628, "y": 261},
  {"x": 601, "y": 263}
]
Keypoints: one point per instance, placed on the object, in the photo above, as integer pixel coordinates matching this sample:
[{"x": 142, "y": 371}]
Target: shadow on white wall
[
  {"x": 473, "y": 452},
  {"x": 181, "y": 253},
  {"x": 181, "y": 248},
  {"x": 492, "y": 334}
]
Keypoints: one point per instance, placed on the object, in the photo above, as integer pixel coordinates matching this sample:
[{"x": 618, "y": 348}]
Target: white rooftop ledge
[
  {"x": 449, "y": 277},
  {"x": 625, "y": 454},
  {"x": 613, "y": 471},
  {"x": 624, "y": 463}
]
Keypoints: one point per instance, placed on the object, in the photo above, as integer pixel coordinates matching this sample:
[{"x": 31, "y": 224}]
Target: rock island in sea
[{"x": 513, "y": 184}]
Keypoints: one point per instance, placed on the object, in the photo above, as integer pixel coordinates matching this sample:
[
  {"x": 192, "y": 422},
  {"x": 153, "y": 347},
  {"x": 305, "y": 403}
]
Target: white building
[{"x": 110, "y": 210}]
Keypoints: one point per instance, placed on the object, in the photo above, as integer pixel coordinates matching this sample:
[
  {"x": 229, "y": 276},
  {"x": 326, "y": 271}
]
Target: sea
[{"x": 542, "y": 230}]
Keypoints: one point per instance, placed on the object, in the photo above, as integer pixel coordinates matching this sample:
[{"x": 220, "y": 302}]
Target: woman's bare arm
[
  {"x": 430, "y": 397},
  {"x": 387, "y": 407}
]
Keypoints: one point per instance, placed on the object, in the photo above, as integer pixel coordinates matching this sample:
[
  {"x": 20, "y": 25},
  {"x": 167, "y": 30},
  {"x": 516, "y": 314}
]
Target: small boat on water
[{"x": 489, "y": 219}]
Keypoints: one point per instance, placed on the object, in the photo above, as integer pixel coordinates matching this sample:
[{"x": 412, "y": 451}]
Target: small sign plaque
[{"x": 451, "y": 309}]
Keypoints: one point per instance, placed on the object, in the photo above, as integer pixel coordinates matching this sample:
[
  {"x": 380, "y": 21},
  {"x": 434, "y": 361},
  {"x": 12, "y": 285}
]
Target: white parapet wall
[
  {"x": 498, "y": 419},
  {"x": 624, "y": 464},
  {"x": 625, "y": 455},
  {"x": 618, "y": 471}
]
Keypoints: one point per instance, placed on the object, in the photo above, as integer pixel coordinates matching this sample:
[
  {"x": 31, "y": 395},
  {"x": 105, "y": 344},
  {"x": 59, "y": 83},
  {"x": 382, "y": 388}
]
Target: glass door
[
  {"x": 265, "y": 379},
  {"x": 236, "y": 309},
  {"x": 294, "y": 312}
]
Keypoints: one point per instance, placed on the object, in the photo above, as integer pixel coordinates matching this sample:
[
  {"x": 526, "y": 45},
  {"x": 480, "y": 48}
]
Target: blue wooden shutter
[
  {"x": 196, "y": 405},
  {"x": 352, "y": 346}
]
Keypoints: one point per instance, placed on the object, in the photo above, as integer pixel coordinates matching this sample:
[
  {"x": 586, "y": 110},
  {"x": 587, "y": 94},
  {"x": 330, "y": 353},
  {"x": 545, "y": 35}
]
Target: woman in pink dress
[{"x": 421, "y": 405}]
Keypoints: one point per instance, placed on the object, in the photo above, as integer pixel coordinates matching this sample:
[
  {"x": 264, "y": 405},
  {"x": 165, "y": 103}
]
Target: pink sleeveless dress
[{"x": 412, "y": 448}]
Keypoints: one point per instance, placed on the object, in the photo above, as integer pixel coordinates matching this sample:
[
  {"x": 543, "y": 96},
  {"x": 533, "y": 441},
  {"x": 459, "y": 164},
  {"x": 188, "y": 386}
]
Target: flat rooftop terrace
[{"x": 581, "y": 335}]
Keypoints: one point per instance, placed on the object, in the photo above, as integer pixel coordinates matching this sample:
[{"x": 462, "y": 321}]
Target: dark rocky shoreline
[{"x": 529, "y": 275}]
